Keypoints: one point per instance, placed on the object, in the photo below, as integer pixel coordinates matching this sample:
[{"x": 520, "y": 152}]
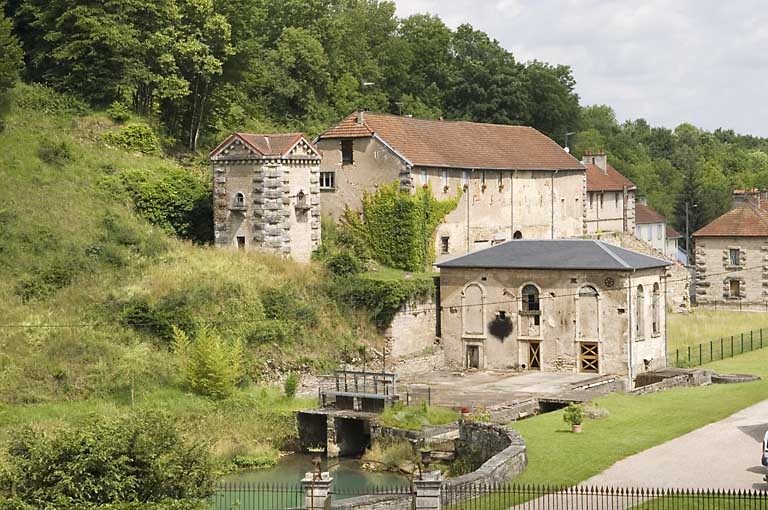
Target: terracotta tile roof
[
  {"x": 611, "y": 180},
  {"x": 743, "y": 220},
  {"x": 644, "y": 215},
  {"x": 673, "y": 234},
  {"x": 460, "y": 144},
  {"x": 269, "y": 145}
]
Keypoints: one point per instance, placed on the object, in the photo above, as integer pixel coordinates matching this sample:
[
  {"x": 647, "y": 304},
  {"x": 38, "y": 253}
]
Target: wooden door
[
  {"x": 534, "y": 355},
  {"x": 589, "y": 357}
]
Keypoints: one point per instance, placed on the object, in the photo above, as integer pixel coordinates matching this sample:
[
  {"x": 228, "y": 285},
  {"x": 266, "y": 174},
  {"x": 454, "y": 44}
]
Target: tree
[
  {"x": 553, "y": 106},
  {"x": 141, "y": 457},
  {"x": 10, "y": 64}
]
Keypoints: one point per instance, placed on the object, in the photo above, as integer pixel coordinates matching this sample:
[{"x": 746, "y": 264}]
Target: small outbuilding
[{"x": 571, "y": 305}]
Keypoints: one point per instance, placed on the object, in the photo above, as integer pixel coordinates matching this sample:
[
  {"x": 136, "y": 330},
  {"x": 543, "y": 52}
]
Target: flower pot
[{"x": 576, "y": 428}]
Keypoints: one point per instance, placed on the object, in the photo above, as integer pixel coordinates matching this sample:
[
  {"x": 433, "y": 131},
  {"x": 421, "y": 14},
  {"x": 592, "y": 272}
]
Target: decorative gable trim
[
  {"x": 231, "y": 143},
  {"x": 305, "y": 146}
]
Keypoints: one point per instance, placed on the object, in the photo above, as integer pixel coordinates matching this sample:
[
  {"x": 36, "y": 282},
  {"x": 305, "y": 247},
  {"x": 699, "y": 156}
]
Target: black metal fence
[
  {"x": 724, "y": 347},
  {"x": 536, "y": 497},
  {"x": 490, "y": 497}
]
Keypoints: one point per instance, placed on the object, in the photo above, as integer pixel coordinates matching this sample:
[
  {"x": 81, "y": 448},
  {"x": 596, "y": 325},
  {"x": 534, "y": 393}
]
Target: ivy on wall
[{"x": 400, "y": 226}]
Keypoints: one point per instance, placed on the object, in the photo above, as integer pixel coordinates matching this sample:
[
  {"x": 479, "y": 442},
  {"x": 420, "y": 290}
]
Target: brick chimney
[{"x": 599, "y": 159}]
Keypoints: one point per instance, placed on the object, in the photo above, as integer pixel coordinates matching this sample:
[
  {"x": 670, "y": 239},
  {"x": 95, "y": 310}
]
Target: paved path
[{"x": 725, "y": 454}]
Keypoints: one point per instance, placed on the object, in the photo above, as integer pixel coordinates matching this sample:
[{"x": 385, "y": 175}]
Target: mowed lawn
[
  {"x": 634, "y": 423},
  {"x": 703, "y": 326}
]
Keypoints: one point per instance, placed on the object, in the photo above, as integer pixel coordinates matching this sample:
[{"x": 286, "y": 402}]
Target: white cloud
[{"x": 669, "y": 62}]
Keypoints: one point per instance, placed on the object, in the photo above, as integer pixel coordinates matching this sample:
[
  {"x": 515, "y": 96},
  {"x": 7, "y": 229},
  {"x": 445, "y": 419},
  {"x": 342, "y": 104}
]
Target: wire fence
[{"x": 714, "y": 350}]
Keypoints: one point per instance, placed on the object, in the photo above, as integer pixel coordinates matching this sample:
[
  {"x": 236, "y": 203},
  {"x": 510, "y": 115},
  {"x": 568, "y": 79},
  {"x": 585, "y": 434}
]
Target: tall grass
[{"x": 702, "y": 326}]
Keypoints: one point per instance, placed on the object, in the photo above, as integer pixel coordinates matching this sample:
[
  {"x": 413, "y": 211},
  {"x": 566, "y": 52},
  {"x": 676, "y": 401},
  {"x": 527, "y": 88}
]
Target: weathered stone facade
[
  {"x": 715, "y": 272},
  {"x": 500, "y": 199},
  {"x": 569, "y": 320},
  {"x": 610, "y": 197},
  {"x": 267, "y": 195}
]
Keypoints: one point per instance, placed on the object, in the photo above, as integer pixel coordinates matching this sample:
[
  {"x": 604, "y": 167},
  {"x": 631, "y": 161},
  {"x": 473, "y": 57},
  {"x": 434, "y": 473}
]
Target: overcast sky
[{"x": 698, "y": 61}]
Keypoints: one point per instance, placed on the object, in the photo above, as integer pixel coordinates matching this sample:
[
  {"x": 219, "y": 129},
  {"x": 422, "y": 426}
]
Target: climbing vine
[{"x": 400, "y": 226}]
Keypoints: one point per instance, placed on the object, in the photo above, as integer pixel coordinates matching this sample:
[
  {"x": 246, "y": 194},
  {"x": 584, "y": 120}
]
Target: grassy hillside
[{"x": 91, "y": 289}]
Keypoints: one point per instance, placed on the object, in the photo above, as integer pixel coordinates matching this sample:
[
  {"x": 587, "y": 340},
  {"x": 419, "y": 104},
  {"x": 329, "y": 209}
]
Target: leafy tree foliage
[
  {"x": 141, "y": 458},
  {"x": 10, "y": 64},
  {"x": 400, "y": 227}
]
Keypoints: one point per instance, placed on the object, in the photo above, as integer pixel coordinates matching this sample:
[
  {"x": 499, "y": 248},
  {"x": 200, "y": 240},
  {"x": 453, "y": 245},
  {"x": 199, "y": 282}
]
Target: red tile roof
[
  {"x": 459, "y": 144},
  {"x": 672, "y": 233},
  {"x": 271, "y": 145},
  {"x": 743, "y": 220},
  {"x": 610, "y": 180},
  {"x": 645, "y": 215}
]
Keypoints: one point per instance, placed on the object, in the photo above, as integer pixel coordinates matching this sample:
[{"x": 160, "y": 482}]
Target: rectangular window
[
  {"x": 241, "y": 242},
  {"x": 347, "y": 148},
  {"x": 650, "y": 232},
  {"x": 734, "y": 288},
  {"x": 591, "y": 200},
  {"x": 500, "y": 181},
  {"x": 734, "y": 256},
  {"x": 658, "y": 231},
  {"x": 482, "y": 178},
  {"x": 327, "y": 180},
  {"x": 616, "y": 199},
  {"x": 464, "y": 177},
  {"x": 444, "y": 178},
  {"x": 444, "y": 245},
  {"x": 423, "y": 176},
  {"x": 601, "y": 200}
]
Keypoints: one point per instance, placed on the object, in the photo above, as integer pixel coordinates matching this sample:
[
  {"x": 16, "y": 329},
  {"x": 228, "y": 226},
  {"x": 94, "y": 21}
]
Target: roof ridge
[{"x": 604, "y": 247}]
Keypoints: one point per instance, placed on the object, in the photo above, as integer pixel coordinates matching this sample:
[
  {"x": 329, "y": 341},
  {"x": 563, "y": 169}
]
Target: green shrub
[
  {"x": 282, "y": 303},
  {"x": 135, "y": 138},
  {"x": 573, "y": 414},
  {"x": 119, "y": 112},
  {"x": 272, "y": 331},
  {"x": 382, "y": 298},
  {"x": 211, "y": 366},
  {"x": 291, "y": 384},
  {"x": 344, "y": 263},
  {"x": 43, "y": 282},
  {"x": 41, "y": 99},
  {"x": 140, "y": 458},
  {"x": 55, "y": 153},
  {"x": 158, "y": 318}
]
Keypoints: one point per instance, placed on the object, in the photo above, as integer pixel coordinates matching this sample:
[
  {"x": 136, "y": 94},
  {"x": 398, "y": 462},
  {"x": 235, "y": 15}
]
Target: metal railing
[
  {"x": 714, "y": 350},
  {"x": 247, "y": 496},
  {"x": 537, "y": 497}
]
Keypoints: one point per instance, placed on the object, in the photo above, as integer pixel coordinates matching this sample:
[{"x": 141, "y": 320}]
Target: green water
[
  {"x": 346, "y": 474},
  {"x": 280, "y": 487}
]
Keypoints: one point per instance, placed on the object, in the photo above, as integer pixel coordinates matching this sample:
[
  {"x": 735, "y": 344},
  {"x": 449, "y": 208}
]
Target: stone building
[
  {"x": 730, "y": 254},
  {"x": 610, "y": 196},
  {"x": 514, "y": 181},
  {"x": 266, "y": 194},
  {"x": 651, "y": 228},
  {"x": 555, "y": 305}
]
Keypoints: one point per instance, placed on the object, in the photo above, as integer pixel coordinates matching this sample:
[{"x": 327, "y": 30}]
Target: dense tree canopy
[
  {"x": 10, "y": 63},
  {"x": 202, "y": 69}
]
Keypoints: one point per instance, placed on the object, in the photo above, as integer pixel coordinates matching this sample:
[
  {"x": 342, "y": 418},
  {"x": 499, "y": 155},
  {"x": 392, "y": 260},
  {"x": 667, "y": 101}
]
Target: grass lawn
[
  {"x": 634, "y": 423},
  {"x": 702, "y": 326}
]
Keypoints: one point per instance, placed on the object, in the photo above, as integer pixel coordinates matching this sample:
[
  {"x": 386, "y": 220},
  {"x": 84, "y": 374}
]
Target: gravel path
[{"x": 725, "y": 454}]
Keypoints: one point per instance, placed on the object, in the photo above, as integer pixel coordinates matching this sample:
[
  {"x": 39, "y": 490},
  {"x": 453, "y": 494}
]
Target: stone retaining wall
[
  {"x": 504, "y": 449},
  {"x": 386, "y": 502},
  {"x": 686, "y": 380}
]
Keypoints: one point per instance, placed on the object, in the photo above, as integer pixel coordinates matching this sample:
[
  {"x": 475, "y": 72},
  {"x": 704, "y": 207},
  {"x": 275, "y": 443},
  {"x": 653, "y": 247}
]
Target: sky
[{"x": 704, "y": 62}]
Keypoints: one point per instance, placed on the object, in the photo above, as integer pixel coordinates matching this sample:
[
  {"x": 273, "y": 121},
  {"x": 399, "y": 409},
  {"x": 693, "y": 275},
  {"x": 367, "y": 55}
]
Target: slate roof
[
  {"x": 645, "y": 215},
  {"x": 610, "y": 180},
  {"x": 459, "y": 144},
  {"x": 574, "y": 254},
  {"x": 269, "y": 145},
  {"x": 743, "y": 220}
]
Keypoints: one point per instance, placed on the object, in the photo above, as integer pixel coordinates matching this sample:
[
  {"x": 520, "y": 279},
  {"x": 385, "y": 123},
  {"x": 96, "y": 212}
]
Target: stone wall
[
  {"x": 412, "y": 329},
  {"x": 503, "y": 448},
  {"x": 687, "y": 379},
  {"x": 433, "y": 359},
  {"x": 382, "y": 502},
  {"x": 714, "y": 272}
]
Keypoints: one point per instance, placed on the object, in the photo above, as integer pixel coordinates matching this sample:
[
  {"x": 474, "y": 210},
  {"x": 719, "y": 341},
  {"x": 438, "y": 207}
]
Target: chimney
[
  {"x": 642, "y": 201},
  {"x": 360, "y": 117},
  {"x": 600, "y": 160}
]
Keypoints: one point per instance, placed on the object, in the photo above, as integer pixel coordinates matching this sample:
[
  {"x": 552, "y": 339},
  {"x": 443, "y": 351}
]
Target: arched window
[
  {"x": 655, "y": 307},
  {"x": 473, "y": 310},
  {"x": 640, "y": 313},
  {"x": 588, "y": 313},
  {"x": 517, "y": 235},
  {"x": 530, "y": 298},
  {"x": 239, "y": 199}
]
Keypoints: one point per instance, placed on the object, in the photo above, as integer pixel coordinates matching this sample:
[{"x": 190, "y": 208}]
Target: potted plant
[{"x": 574, "y": 416}]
